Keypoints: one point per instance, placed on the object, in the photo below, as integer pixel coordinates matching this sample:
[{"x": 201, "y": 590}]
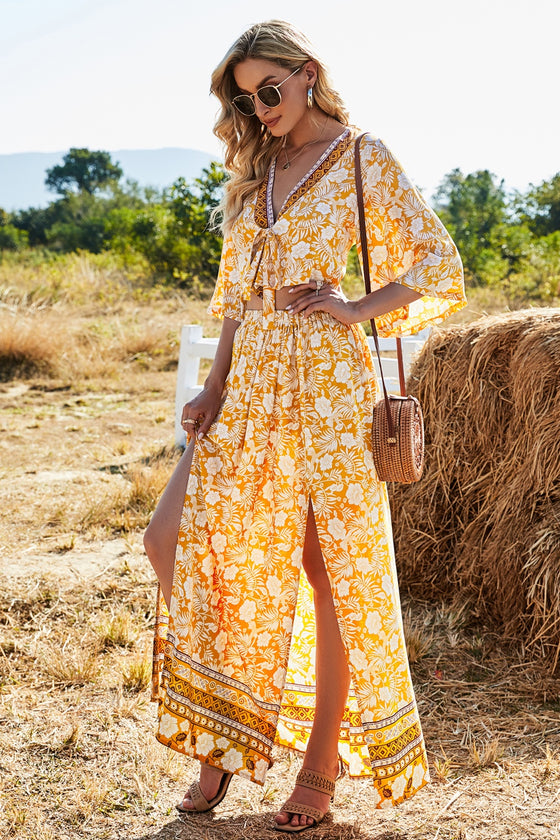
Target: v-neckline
[{"x": 321, "y": 165}]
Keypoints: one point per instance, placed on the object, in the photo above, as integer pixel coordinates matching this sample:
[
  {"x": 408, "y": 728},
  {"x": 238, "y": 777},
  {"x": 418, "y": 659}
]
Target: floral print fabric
[
  {"x": 237, "y": 672},
  {"x": 318, "y": 225}
]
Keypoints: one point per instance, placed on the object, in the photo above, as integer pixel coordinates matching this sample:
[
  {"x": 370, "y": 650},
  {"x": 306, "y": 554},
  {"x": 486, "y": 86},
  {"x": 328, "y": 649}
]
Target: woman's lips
[{"x": 271, "y": 123}]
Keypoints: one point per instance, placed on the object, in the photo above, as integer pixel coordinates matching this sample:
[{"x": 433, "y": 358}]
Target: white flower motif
[
  {"x": 287, "y": 465},
  {"x": 326, "y": 462},
  {"x": 378, "y": 255},
  {"x": 397, "y": 787},
  {"x": 417, "y": 225},
  {"x": 248, "y": 611},
  {"x": 418, "y": 776},
  {"x": 204, "y": 743},
  {"x": 300, "y": 250},
  {"x": 232, "y": 760},
  {"x": 336, "y": 528},
  {"x": 281, "y": 226},
  {"x": 348, "y": 439},
  {"x": 213, "y": 465},
  {"x": 373, "y": 623},
  {"x": 220, "y": 641},
  {"x": 323, "y": 406},
  {"x": 395, "y": 212},
  {"x": 168, "y": 726},
  {"x": 363, "y": 564},
  {"x": 387, "y": 585},
  {"x": 212, "y": 497},
  {"x": 374, "y": 174},
  {"x": 432, "y": 259},
  {"x": 223, "y": 744},
  {"x": 274, "y": 586},
  {"x": 358, "y": 659},
  {"x": 342, "y": 372},
  {"x": 278, "y": 678},
  {"x": 327, "y": 233},
  {"x": 355, "y": 494},
  {"x": 343, "y": 587},
  {"x": 218, "y": 543}
]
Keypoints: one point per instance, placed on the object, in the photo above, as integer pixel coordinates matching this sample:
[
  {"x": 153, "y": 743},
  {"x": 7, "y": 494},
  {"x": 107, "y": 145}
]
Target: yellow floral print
[{"x": 236, "y": 660}]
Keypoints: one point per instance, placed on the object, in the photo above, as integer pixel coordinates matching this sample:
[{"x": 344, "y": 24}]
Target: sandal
[
  {"x": 315, "y": 781},
  {"x": 199, "y": 801}
]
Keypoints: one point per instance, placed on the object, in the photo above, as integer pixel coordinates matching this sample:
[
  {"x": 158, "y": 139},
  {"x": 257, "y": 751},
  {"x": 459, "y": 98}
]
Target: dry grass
[
  {"x": 81, "y": 761},
  {"x": 483, "y": 524},
  {"x": 82, "y": 461}
]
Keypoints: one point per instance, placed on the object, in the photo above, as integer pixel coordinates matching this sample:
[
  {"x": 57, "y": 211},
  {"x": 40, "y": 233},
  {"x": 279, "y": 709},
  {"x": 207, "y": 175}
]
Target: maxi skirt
[{"x": 235, "y": 656}]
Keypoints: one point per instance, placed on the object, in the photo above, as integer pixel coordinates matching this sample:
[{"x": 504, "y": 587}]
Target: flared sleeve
[
  {"x": 227, "y": 301},
  {"x": 407, "y": 244}
]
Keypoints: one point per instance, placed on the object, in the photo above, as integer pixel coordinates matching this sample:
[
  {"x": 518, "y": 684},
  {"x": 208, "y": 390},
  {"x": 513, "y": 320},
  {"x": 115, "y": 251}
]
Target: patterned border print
[{"x": 332, "y": 155}]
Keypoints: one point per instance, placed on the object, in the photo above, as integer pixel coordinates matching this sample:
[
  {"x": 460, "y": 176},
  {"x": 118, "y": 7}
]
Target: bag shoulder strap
[{"x": 365, "y": 265}]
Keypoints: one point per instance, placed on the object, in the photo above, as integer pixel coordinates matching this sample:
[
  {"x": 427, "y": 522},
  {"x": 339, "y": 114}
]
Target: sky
[{"x": 446, "y": 84}]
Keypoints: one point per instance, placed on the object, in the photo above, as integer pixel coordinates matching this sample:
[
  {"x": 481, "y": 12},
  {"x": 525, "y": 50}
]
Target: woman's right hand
[{"x": 199, "y": 414}]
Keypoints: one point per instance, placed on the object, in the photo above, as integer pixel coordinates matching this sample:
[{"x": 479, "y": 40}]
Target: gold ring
[
  {"x": 189, "y": 423},
  {"x": 319, "y": 285}
]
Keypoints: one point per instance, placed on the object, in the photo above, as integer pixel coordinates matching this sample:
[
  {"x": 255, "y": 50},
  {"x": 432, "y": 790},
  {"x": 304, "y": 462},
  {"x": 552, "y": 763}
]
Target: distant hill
[{"x": 22, "y": 176}]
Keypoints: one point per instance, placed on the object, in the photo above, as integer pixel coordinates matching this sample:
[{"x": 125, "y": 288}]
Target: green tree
[
  {"x": 539, "y": 208},
  {"x": 83, "y": 171},
  {"x": 474, "y": 209},
  {"x": 192, "y": 207}
]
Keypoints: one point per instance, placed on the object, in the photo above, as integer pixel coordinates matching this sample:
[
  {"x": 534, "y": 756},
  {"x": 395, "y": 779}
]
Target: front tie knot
[{"x": 265, "y": 270}]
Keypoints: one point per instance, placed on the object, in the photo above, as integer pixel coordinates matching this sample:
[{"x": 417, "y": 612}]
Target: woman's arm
[
  {"x": 390, "y": 297},
  {"x": 205, "y": 406}
]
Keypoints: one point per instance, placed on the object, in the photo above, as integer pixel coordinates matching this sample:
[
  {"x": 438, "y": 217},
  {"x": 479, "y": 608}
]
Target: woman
[{"x": 282, "y": 475}]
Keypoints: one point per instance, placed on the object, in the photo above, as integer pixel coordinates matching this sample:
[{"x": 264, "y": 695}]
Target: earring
[{"x": 310, "y": 97}]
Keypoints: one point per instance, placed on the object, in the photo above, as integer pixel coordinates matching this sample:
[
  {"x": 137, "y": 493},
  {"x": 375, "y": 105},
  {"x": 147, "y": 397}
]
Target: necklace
[{"x": 302, "y": 148}]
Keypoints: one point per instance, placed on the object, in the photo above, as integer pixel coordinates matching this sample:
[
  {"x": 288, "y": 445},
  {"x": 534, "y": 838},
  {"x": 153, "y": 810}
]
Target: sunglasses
[{"x": 269, "y": 95}]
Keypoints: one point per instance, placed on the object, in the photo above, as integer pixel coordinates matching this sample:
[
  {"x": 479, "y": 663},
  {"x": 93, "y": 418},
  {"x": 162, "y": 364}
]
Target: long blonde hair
[{"x": 249, "y": 147}]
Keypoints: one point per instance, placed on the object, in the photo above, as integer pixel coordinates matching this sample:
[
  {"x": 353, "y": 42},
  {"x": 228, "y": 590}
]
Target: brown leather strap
[{"x": 367, "y": 283}]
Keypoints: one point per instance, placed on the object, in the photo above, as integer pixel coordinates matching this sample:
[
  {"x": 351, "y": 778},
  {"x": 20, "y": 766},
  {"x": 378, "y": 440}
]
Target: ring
[
  {"x": 188, "y": 423},
  {"x": 319, "y": 285}
]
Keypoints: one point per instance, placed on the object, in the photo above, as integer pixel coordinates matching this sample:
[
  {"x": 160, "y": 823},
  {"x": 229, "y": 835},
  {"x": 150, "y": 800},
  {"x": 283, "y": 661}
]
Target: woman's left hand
[{"x": 308, "y": 299}]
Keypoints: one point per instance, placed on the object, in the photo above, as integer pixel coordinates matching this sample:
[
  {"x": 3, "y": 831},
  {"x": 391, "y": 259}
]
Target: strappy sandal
[
  {"x": 315, "y": 781},
  {"x": 199, "y": 801}
]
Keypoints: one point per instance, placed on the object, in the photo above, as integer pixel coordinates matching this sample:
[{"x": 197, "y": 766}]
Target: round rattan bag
[{"x": 398, "y": 452}]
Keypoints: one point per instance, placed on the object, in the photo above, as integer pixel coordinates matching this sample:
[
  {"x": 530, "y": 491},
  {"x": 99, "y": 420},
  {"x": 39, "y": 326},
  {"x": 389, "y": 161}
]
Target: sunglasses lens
[
  {"x": 244, "y": 104},
  {"x": 269, "y": 96}
]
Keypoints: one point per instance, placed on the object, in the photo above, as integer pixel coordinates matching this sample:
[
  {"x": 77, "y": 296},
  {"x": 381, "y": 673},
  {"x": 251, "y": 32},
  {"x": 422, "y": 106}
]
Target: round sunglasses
[{"x": 269, "y": 95}]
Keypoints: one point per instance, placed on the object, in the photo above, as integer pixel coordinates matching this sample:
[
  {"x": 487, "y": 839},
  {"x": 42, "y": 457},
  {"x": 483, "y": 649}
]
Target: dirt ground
[{"x": 77, "y": 753}]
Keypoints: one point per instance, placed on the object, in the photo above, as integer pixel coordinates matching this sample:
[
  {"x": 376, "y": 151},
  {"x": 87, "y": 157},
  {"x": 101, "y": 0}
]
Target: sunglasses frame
[{"x": 251, "y": 96}]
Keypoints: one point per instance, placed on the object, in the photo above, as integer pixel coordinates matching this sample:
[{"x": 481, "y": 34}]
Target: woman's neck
[{"x": 313, "y": 127}]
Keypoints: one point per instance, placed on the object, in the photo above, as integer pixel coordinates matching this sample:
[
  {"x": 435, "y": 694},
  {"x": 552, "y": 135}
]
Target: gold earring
[{"x": 310, "y": 97}]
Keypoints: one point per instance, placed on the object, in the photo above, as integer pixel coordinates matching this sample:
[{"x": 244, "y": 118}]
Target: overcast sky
[{"x": 470, "y": 84}]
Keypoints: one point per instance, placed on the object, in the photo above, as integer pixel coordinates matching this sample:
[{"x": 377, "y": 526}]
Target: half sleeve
[
  {"x": 226, "y": 301},
  {"x": 407, "y": 244}
]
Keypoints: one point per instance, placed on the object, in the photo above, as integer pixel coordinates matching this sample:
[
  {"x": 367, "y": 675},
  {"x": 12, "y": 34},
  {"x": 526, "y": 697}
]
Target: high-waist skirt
[{"x": 235, "y": 656}]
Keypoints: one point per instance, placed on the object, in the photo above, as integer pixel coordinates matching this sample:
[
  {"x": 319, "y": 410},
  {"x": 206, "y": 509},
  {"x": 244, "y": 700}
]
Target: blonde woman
[{"x": 284, "y": 615}]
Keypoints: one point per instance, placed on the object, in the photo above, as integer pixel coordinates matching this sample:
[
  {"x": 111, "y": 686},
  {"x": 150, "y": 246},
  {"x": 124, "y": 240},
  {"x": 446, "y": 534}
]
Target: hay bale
[{"x": 484, "y": 521}]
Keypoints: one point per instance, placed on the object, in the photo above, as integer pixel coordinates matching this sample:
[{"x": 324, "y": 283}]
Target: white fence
[{"x": 194, "y": 348}]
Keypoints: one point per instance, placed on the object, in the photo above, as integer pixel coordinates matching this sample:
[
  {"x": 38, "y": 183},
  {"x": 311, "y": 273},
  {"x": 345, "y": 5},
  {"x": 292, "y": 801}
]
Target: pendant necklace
[{"x": 302, "y": 149}]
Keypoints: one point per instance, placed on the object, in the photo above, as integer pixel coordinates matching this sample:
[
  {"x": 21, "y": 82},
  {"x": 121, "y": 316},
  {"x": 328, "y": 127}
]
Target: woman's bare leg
[
  {"x": 332, "y": 675},
  {"x": 160, "y": 538}
]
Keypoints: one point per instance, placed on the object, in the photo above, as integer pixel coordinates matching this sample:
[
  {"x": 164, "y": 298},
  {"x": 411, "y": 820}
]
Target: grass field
[{"x": 87, "y": 380}]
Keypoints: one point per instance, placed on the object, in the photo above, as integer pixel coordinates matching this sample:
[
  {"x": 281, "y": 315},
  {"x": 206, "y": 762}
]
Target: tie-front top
[{"x": 316, "y": 227}]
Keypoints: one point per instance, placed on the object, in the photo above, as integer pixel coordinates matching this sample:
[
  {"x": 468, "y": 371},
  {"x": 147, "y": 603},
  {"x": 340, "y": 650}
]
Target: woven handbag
[{"x": 398, "y": 424}]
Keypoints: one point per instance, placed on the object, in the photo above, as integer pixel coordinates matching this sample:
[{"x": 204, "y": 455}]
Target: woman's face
[{"x": 254, "y": 73}]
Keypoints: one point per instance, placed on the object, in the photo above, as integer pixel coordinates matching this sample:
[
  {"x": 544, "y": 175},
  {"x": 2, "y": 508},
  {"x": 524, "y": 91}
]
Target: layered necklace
[{"x": 302, "y": 148}]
